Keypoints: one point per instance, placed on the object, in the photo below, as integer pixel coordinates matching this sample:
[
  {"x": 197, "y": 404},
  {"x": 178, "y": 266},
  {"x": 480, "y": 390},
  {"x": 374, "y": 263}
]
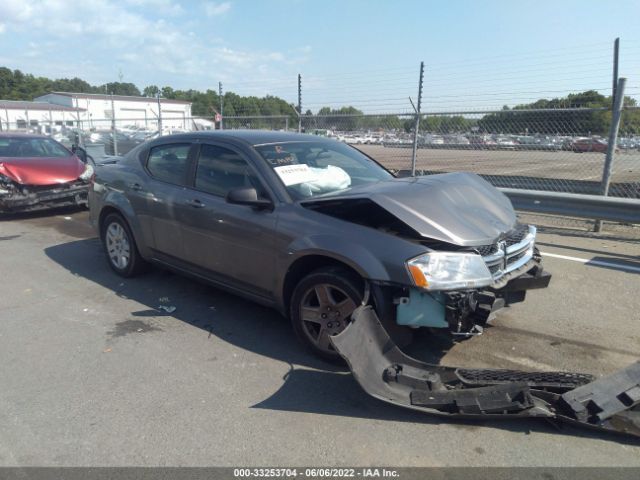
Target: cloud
[
  {"x": 15, "y": 11},
  {"x": 212, "y": 9},
  {"x": 165, "y": 7},
  {"x": 75, "y": 38}
]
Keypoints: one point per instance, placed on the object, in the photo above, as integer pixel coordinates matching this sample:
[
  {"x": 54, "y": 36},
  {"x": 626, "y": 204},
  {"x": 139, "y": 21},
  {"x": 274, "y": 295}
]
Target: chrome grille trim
[{"x": 508, "y": 258}]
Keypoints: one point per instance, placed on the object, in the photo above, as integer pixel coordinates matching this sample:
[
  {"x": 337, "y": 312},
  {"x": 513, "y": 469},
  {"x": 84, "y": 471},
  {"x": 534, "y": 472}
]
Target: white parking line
[{"x": 601, "y": 263}]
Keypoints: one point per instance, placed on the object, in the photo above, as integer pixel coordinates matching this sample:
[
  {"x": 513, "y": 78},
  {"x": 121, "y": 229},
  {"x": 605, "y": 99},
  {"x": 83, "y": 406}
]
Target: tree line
[
  {"x": 544, "y": 116},
  {"x": 16, "y": 85}
]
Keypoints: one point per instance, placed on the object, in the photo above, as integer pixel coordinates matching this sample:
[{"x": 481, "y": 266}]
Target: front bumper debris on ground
[{"x": 611, "y": 403}]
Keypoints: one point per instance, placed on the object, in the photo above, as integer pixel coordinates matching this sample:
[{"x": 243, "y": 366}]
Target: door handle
[
  {"x": 195, "y": 203},
  {"x": 135, "y": 186}
]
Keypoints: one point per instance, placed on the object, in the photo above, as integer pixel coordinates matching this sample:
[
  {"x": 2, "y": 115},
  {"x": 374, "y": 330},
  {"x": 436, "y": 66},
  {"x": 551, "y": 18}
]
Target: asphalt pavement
[{"x": 93, "y": 373}]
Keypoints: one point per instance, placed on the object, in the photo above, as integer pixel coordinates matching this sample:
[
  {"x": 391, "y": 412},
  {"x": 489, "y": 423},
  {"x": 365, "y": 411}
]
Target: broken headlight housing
[
  {"x": 6, "y": 184},
  {"x": 86, "y": 175},
  {"x": 449, "y": 271}
]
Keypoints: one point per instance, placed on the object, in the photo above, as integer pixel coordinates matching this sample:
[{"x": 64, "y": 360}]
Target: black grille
[
  {"x": 516, "y": 235},
  {"x": 533, "y": 379},
  {"x": 485, "y": 250}
]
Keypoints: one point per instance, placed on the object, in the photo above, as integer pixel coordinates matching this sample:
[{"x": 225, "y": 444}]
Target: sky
[{"x": 477, "y": 54}]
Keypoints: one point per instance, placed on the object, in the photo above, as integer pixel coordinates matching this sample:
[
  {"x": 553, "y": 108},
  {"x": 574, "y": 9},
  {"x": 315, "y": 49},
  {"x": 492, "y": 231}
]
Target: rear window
[{"x": 169, "y": 163}]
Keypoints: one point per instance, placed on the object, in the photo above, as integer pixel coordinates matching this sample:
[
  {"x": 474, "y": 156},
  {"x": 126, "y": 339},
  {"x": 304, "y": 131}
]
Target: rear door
[
  {"x": 169, "y": 166},
  {"x": 234, "y": 243}
]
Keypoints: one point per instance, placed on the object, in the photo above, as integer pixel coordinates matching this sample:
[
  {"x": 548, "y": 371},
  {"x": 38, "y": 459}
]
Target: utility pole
[
  {"x": 613, "y": 135},
  {"x": 159, "y": 114},
  {"x": 113, "y": 127},
  {"x": 221, "y": 105},
  {"x": 616, "y": 57},
  {"x": 417, "y": 125},
  {"x": 608, "y": 162},
  {"x": 299, "y": 103}
]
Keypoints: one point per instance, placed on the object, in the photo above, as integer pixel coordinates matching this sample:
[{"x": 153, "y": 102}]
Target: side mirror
[
  {"x": 248, "y": 196},
  {"x": 80, "y": 152}
]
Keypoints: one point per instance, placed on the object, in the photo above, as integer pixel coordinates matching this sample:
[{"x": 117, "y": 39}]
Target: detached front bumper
[
  {"x": 29, "y": 198},
  {"x": 611, "y": 403}
]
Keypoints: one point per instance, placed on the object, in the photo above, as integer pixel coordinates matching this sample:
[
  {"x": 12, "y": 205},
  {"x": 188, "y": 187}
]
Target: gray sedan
[{"x": 315, "y": 228}]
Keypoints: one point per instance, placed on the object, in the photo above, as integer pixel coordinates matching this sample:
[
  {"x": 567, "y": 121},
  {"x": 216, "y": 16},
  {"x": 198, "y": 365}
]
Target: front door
[{"x": 234, "y": 243}]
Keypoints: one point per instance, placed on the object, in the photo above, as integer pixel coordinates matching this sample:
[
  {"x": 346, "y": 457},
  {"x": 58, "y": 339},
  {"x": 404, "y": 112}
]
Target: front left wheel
[{"x": 321, "y": 306}]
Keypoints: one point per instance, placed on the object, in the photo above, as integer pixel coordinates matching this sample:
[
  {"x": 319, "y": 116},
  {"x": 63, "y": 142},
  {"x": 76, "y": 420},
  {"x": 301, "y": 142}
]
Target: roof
[
  {"x": 260, "y": 137},
  {"x": 127, "y": 98},
  {"x": 46, "y": 106}
]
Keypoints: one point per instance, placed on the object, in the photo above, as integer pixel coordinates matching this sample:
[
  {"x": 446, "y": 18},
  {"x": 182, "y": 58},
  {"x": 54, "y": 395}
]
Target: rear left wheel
[{"x": 120, "y": 246}]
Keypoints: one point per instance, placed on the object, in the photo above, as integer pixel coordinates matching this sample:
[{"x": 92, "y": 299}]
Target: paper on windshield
[{"x": 295, "y": 174}]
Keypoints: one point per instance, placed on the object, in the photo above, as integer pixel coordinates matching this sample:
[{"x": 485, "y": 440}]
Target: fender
[
  {"x": 116, "y": 199},
  {"x": 353, "y": 254}
]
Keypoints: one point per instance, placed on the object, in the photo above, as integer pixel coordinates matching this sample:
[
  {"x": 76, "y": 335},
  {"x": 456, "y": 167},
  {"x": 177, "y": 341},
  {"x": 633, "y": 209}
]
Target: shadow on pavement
[
  {"x": 227, "y": 316},
  {"x": 317, "y": 387}
]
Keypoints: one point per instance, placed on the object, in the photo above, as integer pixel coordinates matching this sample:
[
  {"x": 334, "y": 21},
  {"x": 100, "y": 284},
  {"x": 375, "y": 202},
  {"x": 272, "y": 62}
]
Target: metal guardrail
[{"x": 575, "y": 205}]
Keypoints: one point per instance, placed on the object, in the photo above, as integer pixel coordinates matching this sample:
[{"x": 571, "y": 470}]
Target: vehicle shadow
[
  {"x": 311, "y": 385},
  {"x": 240, "y": 322}
]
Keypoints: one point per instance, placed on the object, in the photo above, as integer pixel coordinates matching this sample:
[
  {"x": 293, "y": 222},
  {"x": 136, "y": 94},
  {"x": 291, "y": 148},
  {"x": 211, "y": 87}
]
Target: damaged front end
[
  {"x": 611, "y": 403},
  {"x": 15, "y": 197},
  {"x": 476, "y": 258},
  {"x": 484, "y": 280}
]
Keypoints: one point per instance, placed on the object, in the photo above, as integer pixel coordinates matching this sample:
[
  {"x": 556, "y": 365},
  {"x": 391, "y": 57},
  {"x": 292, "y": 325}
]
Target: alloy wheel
[
  {"x": 118, "y": 246},
  {"x": 325, "y": 311}
]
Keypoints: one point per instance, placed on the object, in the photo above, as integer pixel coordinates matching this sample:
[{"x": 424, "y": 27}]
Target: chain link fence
[
  {"x": 560, "y": 150},
  {"x": 551, "y": 150}
]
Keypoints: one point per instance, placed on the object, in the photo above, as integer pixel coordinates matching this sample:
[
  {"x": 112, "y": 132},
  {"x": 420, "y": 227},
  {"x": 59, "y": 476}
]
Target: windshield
[
  {"x": 309, "y": 169},
  {"x": 23, "y": 147}
]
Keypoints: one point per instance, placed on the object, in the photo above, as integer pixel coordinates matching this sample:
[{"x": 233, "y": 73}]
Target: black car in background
[{"x": 125, "y": 143}]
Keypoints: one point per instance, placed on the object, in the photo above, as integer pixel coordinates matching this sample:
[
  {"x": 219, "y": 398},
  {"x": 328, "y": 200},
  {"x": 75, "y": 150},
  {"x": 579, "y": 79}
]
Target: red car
[
  {"x": 37, "y": 172},
  {"x": 589, "y": 145}
]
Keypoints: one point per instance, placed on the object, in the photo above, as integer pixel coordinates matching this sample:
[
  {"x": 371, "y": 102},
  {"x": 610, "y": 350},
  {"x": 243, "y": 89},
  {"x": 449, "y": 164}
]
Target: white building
[
  {"x": 96, "y": 111},
  {"x": 42, "y": 117}
]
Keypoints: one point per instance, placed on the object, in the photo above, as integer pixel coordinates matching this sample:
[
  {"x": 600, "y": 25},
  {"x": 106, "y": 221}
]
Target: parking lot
[
  {"x": 556, "y": 166},
  {"x": 94, "y": 373}
]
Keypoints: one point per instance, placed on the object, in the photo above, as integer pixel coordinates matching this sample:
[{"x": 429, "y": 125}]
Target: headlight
[
  {"x": 86, "y": 175},
  {"x": 449, "y": 271}
]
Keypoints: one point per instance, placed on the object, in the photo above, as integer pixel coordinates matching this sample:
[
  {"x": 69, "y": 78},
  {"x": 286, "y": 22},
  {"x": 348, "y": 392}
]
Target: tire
[
  {"x": 120, "y": 247},
  {"x": 321, "y": 306}
]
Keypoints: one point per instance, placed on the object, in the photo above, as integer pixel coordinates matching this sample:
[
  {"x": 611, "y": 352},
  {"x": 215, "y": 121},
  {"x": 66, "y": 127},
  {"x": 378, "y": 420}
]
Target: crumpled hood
[
  {"x": 42, "y": 170},
  {"x": 458, "y": 208}
]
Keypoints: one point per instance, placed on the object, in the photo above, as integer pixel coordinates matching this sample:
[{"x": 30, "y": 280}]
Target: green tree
[
  {"x": 150, "y": 91},
  {"x": 120, "y": 88}
]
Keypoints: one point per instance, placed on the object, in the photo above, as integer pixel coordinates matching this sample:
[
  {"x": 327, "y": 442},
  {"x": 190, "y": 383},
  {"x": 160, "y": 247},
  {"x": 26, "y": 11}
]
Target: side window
[
  {"x": 220, "y": 170},
  {"x": 169, "y": 163}
]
